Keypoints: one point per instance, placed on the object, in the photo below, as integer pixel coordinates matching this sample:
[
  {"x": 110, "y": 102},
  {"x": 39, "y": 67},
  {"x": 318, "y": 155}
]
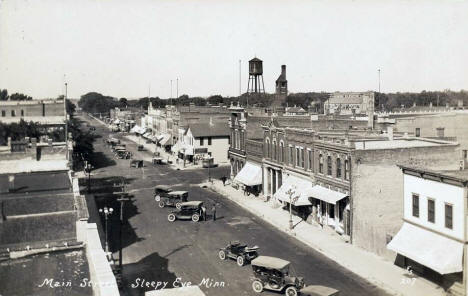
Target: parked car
[
  {"x": 240, "y": 252},
  {"x": 157, "y": 160},
  {"x": 136, "y": 163},
  {"x": 174, "y": 199},
  {"x": 161, "y": 191},
  {"x": 140, "y": 147},
  {"x": 188, "y": 210},
  {"x": 271, "y": 273},
  {"x": 319, "y": 291}
]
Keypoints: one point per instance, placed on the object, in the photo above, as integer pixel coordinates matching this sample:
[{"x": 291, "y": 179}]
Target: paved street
[{"x": 157, "y": 250}]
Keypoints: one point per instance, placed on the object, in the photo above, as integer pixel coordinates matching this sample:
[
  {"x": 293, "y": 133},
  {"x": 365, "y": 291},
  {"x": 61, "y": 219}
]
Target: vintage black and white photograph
[{"x": 227, "y": 148}]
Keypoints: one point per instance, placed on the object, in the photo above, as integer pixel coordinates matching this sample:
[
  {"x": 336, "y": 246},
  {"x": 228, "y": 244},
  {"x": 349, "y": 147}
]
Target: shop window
[
  {"x": 415, "y": 205},
  {"x": 431, "y": 210},
  {"x": 449, "y": 216}
]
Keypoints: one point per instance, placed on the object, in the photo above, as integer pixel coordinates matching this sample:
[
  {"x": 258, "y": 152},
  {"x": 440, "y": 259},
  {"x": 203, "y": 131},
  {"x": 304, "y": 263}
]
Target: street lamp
[
  {"x": 107, "y": 211},
  {"x": 88, "y": 168},
  {"x": 292, "y": 200}
]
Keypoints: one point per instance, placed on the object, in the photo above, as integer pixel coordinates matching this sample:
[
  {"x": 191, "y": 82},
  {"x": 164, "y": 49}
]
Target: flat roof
[
  {"x": 30, "y": 166},
  {"x": 38, "y": 119},
  {"x": 37, "y": 182},
  {"x": 397, "y": 143}
]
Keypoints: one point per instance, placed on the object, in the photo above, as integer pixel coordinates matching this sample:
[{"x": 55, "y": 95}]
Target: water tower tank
[{"x": 255, "y": 66}]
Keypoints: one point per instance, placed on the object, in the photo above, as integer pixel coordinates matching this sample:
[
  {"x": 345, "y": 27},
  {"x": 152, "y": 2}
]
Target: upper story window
[
  {"x": 338, "y": 168},
  {"x": 267, "y": 148},
  {"x": 22, "y": 112},
  {"x": 417, "y": 132},
  {"x": 465, "y": 154},
  {"x": 298, "y": 156},
  {"x": 449, "y": 216},
  {"x": 201, "y": 141},
  {"x": 431, "y": 210},
  {"x": 274, "y": 150},
  {"x": 320, "y": 163},
  {"x": 302, "y": 158},
  {"x": 329, "y": 166},
  {"x": 281, "y": 152},
  {"x": 3, "y": 113},
  {"x": 346, "y": 169},
  {"x": 209, "y": 140},
  {"x": 13, "y": 113},
  {"x": 291, "y": 159},
  {"x": 310, "y": 159},
  {"x": 415, "y": 203},
  {"x": 440, "y": 132}
]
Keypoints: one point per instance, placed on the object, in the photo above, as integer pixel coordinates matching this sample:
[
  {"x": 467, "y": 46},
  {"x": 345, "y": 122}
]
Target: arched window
[
  {"x": 274, "y": 150},
  {"x": 281, "y": 152},
  {"x": 346, "y": 169},
  {"x": 267, "y": 147},
  {"x": 320, "y": 163},
  {"x": 338, "y": 168},
  {"x": 329, "y": 165}
]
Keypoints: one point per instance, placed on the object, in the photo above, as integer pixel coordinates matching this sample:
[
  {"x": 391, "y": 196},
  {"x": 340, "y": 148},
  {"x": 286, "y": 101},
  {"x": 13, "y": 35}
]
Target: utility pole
[
  {"x": 379, "y": 79},
  {"x": 240, "y": 78},
  {"x": 122, "y": 199},
  {"x": 177, "y": 88},
  {"x": 66, "y": 116},
  {"x": 171, "y": 91}
]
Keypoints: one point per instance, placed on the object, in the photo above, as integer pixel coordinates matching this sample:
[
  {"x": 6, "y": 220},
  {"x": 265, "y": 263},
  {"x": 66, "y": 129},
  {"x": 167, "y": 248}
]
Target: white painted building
[{"x": 433, "y": 238}]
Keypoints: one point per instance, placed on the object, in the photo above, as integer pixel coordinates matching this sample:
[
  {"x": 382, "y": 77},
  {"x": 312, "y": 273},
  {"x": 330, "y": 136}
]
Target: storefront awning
[
  {"x": 166, "y": 140},
  {"x": 147, "y": 135},
  {"x": 250, "y": 174},
  {"x": 175, "y": 148},
  {"x": 428, "y": 248},
  {"x": 141, "y": 131},
  {"x": 300, "y": 187},
  {"x": 327, "y": 195},
  {"x": 135, "y": 129},
  {"x": 117, "y": 121}
]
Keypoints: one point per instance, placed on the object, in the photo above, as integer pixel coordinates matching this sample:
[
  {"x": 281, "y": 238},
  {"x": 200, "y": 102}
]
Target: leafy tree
[
  {"x": 3, "y": 95},
  {"x": 19, "y": 97}
]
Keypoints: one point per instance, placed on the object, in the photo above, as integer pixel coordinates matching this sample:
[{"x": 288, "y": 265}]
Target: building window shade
[
  {"x": 416, "y": 205},
  {"x": 449, "y": 216}
]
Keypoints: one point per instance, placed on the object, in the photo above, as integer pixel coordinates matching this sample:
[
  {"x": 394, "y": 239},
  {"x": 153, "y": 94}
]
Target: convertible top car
[
  {"x": 174, "y": 199},
  {"x": 188, "y": 210},
  {"x": 271, "y": 273},
  {"x": 238, "y": 251}
]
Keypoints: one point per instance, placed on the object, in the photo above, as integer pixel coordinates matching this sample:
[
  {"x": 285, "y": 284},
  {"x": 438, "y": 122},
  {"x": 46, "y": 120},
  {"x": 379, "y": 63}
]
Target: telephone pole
[
  {"x": 379, "y": 79},
  {"x": 177, "y": 88},
  {"x": 240, "y": 77},
  {"x": 122, "y": 199}
]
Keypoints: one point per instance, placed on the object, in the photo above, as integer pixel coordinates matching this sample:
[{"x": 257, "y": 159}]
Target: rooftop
[
  {"x": 38, "y": 119},
  {"x": 209, "y": 130},
  {"x": 397, "y": 143},
  {"x": 28, "y": 165},
  {"x": 36, "y": 182}
]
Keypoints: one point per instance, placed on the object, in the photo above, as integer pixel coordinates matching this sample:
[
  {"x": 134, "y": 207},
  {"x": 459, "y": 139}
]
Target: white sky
[{"x": 119, "y": 48}]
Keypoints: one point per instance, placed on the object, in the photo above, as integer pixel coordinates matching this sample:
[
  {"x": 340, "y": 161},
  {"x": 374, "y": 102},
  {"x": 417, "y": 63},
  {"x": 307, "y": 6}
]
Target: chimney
[
  {"x": 283, "y": 71},
  {"x": 390, "y": 133}
]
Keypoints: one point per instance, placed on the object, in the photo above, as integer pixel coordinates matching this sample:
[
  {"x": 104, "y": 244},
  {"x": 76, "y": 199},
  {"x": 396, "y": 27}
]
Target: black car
[
  {"x": 173, "y": 199},
  {"x": 240, "y": 252},
  {"x": 161, "y": 191},
  {"x": 274, "y": 274},
  {"x": 193, "y": 210}
]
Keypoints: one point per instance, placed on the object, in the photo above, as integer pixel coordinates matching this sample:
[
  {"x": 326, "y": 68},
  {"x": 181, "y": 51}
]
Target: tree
[
  {"x": 3, "y": 95},
  {"x": 123, "y": 102},
  {"x": 97, "y": 103},
  {"x": 19, "y": 97}
]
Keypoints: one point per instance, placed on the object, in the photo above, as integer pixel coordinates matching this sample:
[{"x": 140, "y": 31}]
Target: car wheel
[
  {"x": 195, "y": 218},
  {"x": 240, "y": 261},
  {"x": 178, "y": 205},
  {"x": 257, "y": 286},
  {"x": 291, "y": 291},
  {"x": 171, "y": 217},
  {"x": 161, "y": 204},
  {"x": 222, "y": 255},
  {"x": 157, "y": 198}
]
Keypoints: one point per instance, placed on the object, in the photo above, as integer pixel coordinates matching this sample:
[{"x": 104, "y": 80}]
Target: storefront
[
  {"x": 295, "y": 191},
  {"x": 328, "y": 207},
  {"x": 250, "y": 176}
]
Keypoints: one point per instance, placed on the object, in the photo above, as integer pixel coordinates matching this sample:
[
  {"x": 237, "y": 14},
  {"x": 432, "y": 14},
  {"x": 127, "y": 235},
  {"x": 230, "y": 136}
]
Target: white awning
[
  {"x": 250, "y": 174},
  {"x": 300, "y": 187},
  {"x": 428, "y": 248},
  {"x": 135, "y": 129},
  {"x": 141, "y": 131},
  {"x": 159, "y": 137},
  {"x": 117, "y": 121},
  {"x": 147, "y": 135},
  {"x": 165, "y": 140},
  {"x": 187, "y": 150},
  {"x": 327, "y": 195},
  {"x": 175, "y": 148}
]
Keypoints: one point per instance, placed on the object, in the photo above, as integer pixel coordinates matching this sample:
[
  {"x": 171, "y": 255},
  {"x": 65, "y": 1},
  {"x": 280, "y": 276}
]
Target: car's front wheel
[
  {"x": 162, "y": 204},
  {"x": 240, "y": 261},
  {"x": 222, "y": 255},
  {"x": 257, "y": 286},
  {"x": 157, "y": 198},
  {"x": 291, "y": 291},
  {"x": 171, "y": 217},
  {"x": 178, "y": 205},
  {"x": 195, "y": 218}
]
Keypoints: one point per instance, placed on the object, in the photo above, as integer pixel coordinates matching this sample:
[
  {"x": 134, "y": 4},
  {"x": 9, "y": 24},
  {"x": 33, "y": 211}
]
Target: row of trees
[
  {"x": 98, "y": 103},
  {"x": 13, "y": 97}
]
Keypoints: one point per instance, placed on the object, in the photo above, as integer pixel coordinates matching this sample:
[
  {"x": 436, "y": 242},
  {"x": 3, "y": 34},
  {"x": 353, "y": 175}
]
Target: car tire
[
  {"x": 290, "y": 291},
  {"x": 178, "y": 205},
  {"x": 171, "y": 217},
  {"x": 157, "y": 198},
  {"x": 240, "y": 261},
  {"x": 162, "y": 204},
  {"x": 222, "y": 255},
  {"x": 195, "y": 218},
  {"x": 257, "y": 286}
]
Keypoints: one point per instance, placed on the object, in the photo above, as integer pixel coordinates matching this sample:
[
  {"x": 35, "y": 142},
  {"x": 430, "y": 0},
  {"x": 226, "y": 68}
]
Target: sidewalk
[{"x": 365, "y": 264}]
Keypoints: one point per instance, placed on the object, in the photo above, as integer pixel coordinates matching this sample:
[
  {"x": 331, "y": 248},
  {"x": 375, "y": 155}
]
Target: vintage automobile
[
  {"x": 240, "y": 252},
  {"x": 136, "y": 163},
  {"x": 315, "y": 290},
  {"x": 188, "y": 210},
  {"x": 271, "y": 273},
  {"x": 161, "y": 191},
  {"x": 174, "y": 199}
]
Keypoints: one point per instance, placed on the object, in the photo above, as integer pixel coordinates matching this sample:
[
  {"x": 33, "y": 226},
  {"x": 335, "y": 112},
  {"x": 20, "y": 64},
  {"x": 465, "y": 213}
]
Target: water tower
[{"x": 255, "y": 75}]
